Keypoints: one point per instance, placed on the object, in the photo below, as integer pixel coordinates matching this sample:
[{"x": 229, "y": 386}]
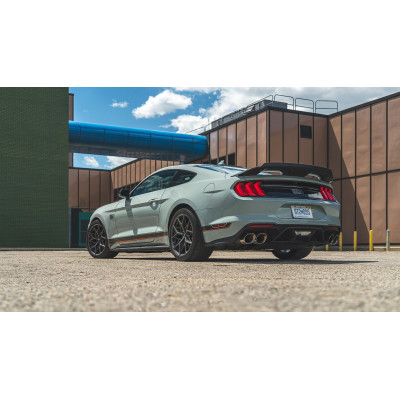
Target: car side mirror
[{"x": 124, "y": 194}]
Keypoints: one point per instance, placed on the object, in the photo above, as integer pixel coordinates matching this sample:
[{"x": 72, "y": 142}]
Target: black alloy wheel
[
  {"x": 182, "y": 235},
  {"x": 97, "y": 243},
  {"x": 186, "y": 237}
]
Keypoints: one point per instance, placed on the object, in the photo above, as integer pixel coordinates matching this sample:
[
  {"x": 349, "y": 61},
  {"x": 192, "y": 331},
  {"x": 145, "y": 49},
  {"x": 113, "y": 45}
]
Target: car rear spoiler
[{"x": 291, "y": 170}]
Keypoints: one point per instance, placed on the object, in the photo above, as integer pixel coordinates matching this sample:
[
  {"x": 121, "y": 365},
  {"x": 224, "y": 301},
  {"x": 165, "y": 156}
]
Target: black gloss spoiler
[{"x": 291, "y": 170}]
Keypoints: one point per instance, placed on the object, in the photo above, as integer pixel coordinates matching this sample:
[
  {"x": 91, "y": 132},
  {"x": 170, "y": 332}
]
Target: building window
[
  {"x": 215, "y": 161},
  {"x": 305, "y": 132},
  {"x": 231, "y": 159}
]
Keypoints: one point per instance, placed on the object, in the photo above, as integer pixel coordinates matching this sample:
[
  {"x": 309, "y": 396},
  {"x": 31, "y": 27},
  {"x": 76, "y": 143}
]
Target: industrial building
[{"x": 44, "y": 206}]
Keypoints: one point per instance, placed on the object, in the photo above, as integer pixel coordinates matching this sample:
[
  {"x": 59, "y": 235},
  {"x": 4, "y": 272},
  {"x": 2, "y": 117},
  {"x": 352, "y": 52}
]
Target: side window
[
  {"x": 157, "y": 181},
  {"x": 182, "y": 177}
]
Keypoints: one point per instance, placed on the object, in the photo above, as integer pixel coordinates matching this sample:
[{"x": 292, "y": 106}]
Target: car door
[{"x": 136, "y": 218}]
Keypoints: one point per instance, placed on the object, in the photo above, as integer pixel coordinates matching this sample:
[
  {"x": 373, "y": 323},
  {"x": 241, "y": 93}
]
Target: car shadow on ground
[{"x": 253, "y": 261}]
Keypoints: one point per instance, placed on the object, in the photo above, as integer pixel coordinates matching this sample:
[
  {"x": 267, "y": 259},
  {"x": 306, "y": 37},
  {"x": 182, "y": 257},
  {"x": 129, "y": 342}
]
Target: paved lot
[{"x": 230, "y": 281}]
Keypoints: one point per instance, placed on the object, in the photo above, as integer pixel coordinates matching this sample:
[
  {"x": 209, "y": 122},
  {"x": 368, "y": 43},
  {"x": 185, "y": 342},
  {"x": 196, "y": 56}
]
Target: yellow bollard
[
  {"x": 327, "y": 247},
  {"x": 371, "y": 240},
  {"x": 340, "y": 242},
  {"x": 355, "y": 241},
  {"x": 388, "y": 240}
]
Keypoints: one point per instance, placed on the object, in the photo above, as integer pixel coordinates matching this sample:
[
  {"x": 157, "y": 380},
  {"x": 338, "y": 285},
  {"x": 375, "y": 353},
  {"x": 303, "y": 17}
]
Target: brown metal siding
[
  {"x": 118, "y": 177},
  {"x": 133, "y": 173},
  {"x": 241, "y": 144},
  {"x": 378, "y": 127},
  {"x": 362, "y": 209},
  {"x": 158, "y": 165},
  {"x": 275, "y": 136},
  {"x": 143, "y": 169},
  {"x": 84, "y": 188},
  {"x": 393, "y": 206},
  {"x": 363, "y": 141},
  {"x": 290, "y": 137},
  {"x": 128, "y": 175},
  {"x": 222, "y": 144},
  {"x": 214, "y": 145},
  {"x": 105, "y": 192},
  {"x": 394, "y": 134},
  {"x": 348, "y": 203},
  {"x": 148, "y": 167},
  {"x": 252, "y": 142},
  {"x": 138, "y": 172},
  {"x": 124, "y": 176},
  {"x": 262, "y": 138},
  {"x": 320, "y": 141},
  {"x": 113, "y": 181},
  {"x": 305, "y": 145},
  {"x": 378, "y": 207},
  {"x": 337, "y": 190},
  {"x": 348, "y": 145},
  {"x": 94, "y": 189},
  {"x": 73, "y": 188},
  {"x": 232, "y": 140},
  {"x": 335, "y": 146}
]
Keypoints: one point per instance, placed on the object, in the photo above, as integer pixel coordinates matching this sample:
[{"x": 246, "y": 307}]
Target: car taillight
[
  {"x": 249, "y": 189},
  {"x": 327, "y": 194}
]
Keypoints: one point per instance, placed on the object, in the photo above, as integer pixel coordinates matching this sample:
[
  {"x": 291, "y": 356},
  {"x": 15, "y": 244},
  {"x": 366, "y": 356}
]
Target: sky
[{"x": 184, "y": 109}]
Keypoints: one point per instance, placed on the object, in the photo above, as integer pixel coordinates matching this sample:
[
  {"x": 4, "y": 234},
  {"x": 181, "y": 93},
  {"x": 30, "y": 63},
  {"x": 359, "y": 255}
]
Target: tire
[
  {"x": 97, "y": 242},
  {"x": 186, "y": 237},
  {"x": 292, "y": 254}
]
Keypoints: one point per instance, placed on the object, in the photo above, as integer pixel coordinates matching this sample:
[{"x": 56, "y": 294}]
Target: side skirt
[{"x": 142, "y": 249}]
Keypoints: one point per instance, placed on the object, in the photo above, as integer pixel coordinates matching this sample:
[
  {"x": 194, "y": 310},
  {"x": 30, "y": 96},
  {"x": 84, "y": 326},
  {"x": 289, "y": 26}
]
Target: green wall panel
[{"x": 34, "y": 167}]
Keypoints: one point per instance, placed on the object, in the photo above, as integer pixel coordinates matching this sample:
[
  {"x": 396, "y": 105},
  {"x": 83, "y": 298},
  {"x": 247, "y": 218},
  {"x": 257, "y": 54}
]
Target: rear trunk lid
[{"x": 275, "y": 180}]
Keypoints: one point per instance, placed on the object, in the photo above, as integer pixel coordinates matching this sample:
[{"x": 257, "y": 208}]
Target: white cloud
[
  {"x": 165, "y": 102},
  {"x": 197, "y": 89},
  {"x": 186, "y": 123},
  {"x": 232, "y": 99},
  {"x": 121, "y": 104},
  {"x": 90, "y": 161},
  {"x": 113, "y": 162},
  {"x": 229, "y": 99}
]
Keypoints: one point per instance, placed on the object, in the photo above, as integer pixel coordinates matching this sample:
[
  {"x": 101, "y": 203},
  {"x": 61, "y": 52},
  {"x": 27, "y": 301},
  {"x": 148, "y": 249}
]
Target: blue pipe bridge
[{"x": 135, "y": 143}]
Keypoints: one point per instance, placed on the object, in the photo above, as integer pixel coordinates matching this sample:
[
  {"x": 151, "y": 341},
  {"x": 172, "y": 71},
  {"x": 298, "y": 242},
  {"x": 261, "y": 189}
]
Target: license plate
[{"x": 302, "y": 212}]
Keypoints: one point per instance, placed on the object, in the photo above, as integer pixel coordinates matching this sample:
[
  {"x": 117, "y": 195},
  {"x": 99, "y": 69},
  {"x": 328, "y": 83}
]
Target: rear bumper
[{"x": 281, "y": 236}]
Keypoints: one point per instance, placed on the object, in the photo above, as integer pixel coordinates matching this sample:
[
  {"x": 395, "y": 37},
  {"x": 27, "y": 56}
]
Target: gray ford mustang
[{"x": 193, "y": 209}]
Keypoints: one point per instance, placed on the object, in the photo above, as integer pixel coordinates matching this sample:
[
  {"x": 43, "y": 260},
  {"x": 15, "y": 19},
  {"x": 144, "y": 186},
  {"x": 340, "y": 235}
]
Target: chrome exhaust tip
[
  {"x": 249, "y": 238},
  {"x": 261, "y": 238}
]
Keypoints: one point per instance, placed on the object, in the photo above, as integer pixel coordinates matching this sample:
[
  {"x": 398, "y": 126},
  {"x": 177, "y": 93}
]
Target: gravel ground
[{"x": 229, "y": 281}]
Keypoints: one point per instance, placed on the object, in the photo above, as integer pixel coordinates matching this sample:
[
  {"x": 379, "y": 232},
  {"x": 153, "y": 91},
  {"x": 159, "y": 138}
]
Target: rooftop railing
[{"x": 276, "y": 100}]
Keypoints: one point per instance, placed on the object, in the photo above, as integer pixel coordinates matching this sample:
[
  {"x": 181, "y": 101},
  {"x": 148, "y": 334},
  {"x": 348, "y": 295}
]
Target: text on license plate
[{"x": 302, "y": 212}]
